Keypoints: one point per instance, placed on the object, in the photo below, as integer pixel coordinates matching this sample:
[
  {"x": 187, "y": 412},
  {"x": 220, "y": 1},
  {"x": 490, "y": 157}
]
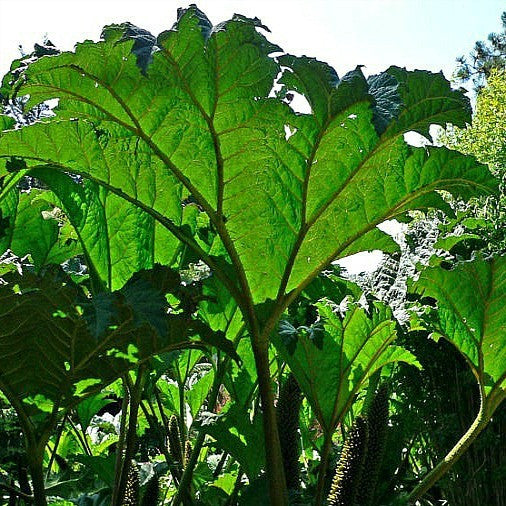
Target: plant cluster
[{"x": 173, "y": 329}]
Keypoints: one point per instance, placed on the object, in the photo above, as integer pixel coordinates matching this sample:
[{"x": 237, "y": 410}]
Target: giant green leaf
[
  {"x": 334, "y": 361},
  {"x": 470, "y": 314},
  {"x": 192, "y": 113},
  {"x": 126, "y": 240}
]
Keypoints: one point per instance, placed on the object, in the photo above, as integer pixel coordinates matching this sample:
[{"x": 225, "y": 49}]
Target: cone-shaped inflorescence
[
  {"x": 151, "y": 493},
  {"x": 377, "y": 420},
  {"x": 345, "y": 484},
  {"x": 289, "y": 402},
  {"x": 175, "y": 447},
  {"x": 131, "y": 497}
]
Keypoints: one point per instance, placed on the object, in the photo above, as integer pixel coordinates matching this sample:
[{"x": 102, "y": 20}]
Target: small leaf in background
[
  {"x": 330, "y": 372},
  {"x": 470, "y": 299},
  {"x": 89, "y": 407}
]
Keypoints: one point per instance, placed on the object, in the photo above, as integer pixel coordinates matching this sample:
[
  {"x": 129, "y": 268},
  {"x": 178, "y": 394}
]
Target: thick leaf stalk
[
  {"x": 278, "y": 493},
  {"x": 377, "y": 422},
  {"x": 125, "y": 475},
  {"x": 480, "y": 422},
  {"x": 37, "y": 474},
  {"x": 346, "y": 482},
  {"x": 193, "y": 455},
  {"x": 470, "y": 302},
  {"x": 175, "y": 446},
  {"x": 289, "y": 403}
]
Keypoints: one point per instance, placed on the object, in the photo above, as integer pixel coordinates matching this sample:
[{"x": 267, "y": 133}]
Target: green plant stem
[
  {"x": 84, "y": 444},
  {"x": 322, "y": 472},
  {"x": 480, "y": 422},
  {"x": 182, "y": 404},
  {"x": 35, "y": 445},
  {"x": 37, "y": 472},
  {"x": 184, "y": 483},
  {"x": 121, "y": 440},
  {"x": 197, "y": 447},
  {"x": 221, "y": 463},
  {"x": 278, "y": 493},
  {"x": 55, "y": 448},
  {"x": 199, "y": 442},
  {"x": 131, "y": 435},
  {"x": 160, "y": 408},
  {"x": 153, "y": 424}
]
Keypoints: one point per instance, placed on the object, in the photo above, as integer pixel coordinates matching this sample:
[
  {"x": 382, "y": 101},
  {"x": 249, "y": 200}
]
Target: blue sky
[{"x": 375, "y": 33}]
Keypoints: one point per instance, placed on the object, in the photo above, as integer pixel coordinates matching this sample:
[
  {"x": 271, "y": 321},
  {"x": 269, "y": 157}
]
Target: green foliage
[
  {"x": 469, "y": 299},
  {"x": 333, "y": 362},
  {"x": 202, "y": 209},
  {"x": 33, "y": 226},
  {"x": 468, "y": 315},
  {"x": 484, "y": 138},
  {"x": 84, "y": 344},
  {"x": 485, "y": 217},
  {"x": 203, "y": 97}
]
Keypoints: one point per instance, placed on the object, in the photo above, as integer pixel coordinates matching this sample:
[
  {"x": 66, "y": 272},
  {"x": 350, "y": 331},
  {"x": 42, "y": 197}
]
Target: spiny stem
[
  {"x": 278, "y": 493},
  {"x": 323, "y": 470},
  {"x": 55, "y": 448},
  {"x": 192, "y": 462},
  {"x": 121, "y": 440},
  {"x": 131, "y": 435}
]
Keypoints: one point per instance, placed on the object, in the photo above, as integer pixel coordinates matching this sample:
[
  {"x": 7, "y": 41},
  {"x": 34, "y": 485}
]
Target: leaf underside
[
  {"x": 470, "y": 302},
  {"x": 57, "y": 345},
  {"x": 192, "y": 114}
]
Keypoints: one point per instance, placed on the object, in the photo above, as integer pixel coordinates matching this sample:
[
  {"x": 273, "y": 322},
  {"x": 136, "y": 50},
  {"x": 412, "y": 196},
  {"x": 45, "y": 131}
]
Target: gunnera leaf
[{"x": 155, "y": 120}]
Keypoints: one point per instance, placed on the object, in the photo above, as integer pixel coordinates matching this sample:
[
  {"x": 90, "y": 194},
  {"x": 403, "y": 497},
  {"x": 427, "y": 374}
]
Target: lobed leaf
[
  {"x": 470, "y": 300},
  {"x": 192, "y": 114},
  {"x": 332, "y": 367},
  {"x": 56, "y": 346}
]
